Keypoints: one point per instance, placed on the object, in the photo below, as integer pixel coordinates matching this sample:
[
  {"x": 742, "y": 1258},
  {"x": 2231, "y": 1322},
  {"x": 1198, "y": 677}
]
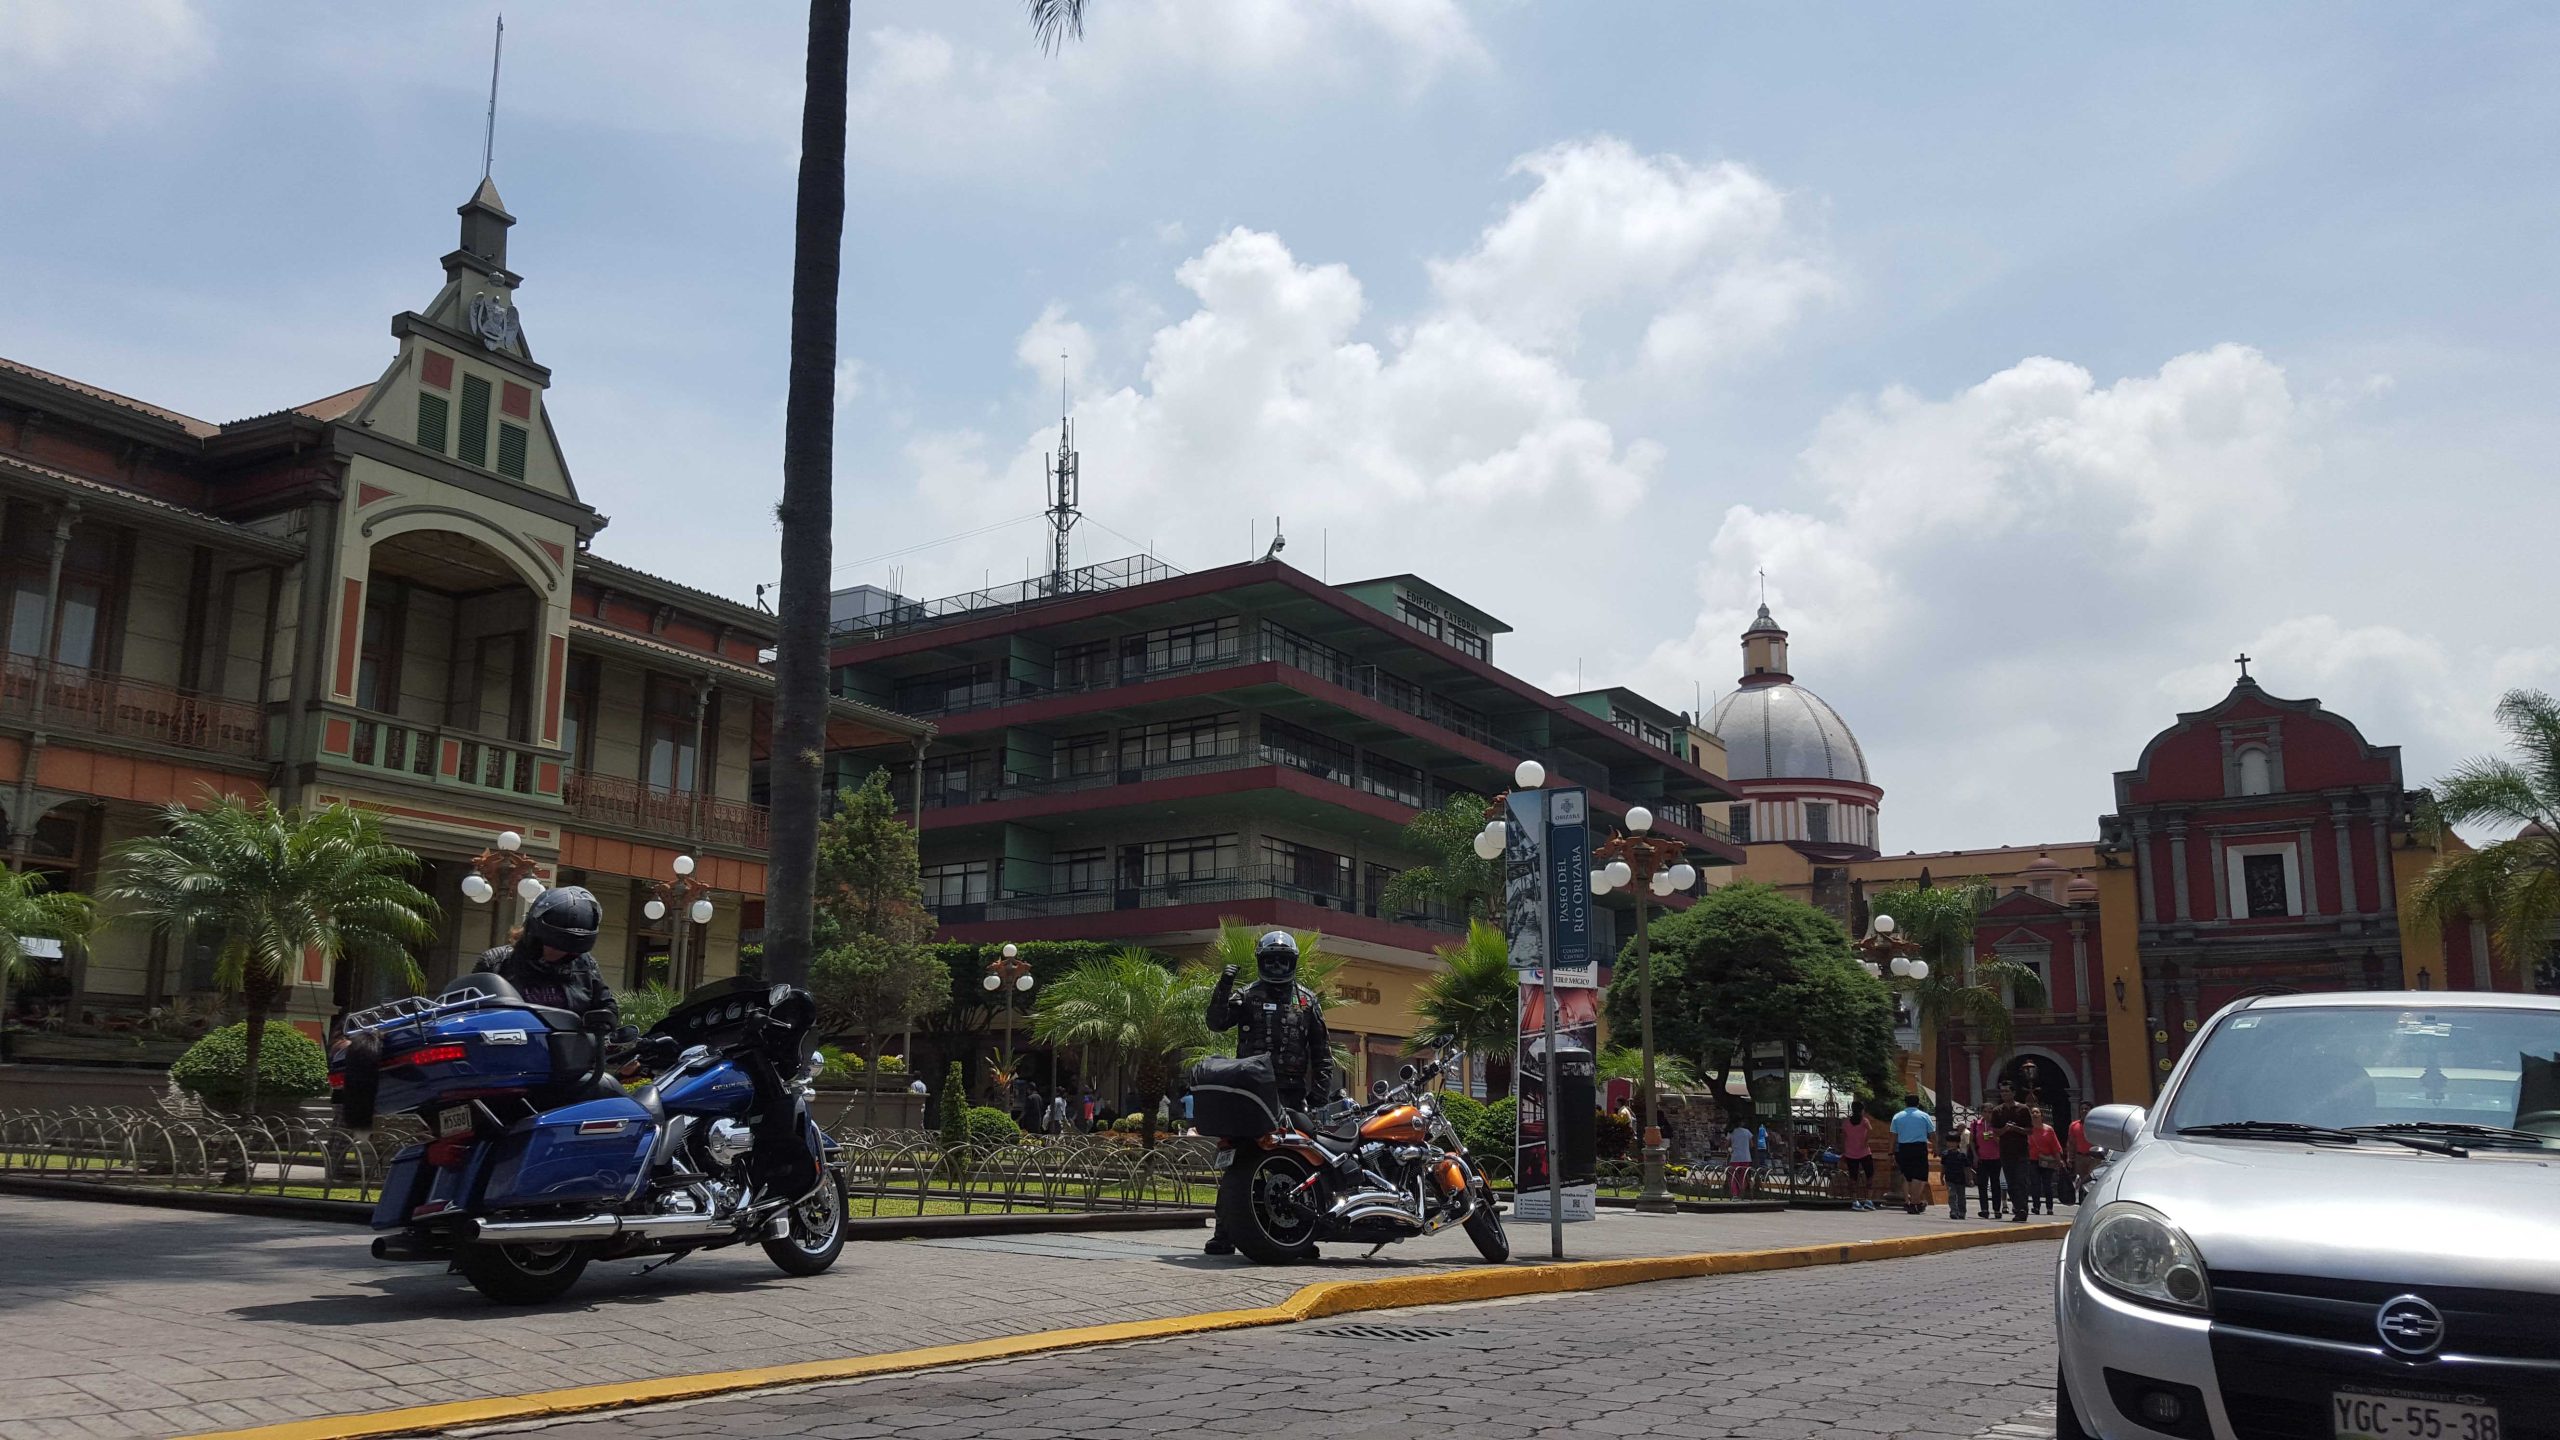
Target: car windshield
[{"x": 2453, "y": 1071}]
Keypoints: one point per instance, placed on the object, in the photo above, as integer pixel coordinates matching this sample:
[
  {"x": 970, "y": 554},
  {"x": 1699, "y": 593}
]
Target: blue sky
[{"x": 2045, "y": 356}]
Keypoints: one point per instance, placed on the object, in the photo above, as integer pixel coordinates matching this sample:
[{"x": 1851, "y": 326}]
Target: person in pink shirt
[
  {"x": 1857, "y": 1161},
  {"x": 1986, "y": 1165}
]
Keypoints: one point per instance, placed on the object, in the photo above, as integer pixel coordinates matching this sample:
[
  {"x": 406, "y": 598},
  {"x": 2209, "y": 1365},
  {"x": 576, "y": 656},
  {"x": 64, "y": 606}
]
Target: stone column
[
  {"x": 2142, "y": 880},
  {"x": 2390, "y": 899},
  {"x": 2178, "y": 867},
  {"x": 2350, "y": 898},
  {"x": 2080, "y": 968}
]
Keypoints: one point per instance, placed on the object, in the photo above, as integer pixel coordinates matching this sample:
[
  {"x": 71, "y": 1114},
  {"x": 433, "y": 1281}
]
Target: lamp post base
[{"x": 1654, "y": 1199}]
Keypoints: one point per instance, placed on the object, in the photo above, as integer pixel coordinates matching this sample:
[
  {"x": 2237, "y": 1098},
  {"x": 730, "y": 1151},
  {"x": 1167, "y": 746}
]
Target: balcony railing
[
  {"x": 1223, "y": 888},
  {"x": 113, "y": 706},
  {"x": 397, "y": 747},
  {"x": 674, "y": 814},
  {"x": 1086, "y": 580}
]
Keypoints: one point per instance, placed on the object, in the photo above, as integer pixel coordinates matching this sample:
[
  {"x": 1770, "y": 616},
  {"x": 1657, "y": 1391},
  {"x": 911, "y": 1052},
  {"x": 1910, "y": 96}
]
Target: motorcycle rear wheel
[
  {"x": 1485, "y": 1228},
  {"x": 1251, "y": 1214},
  {"x": 817, "y": 1231},
  {"x": 521, "y": 1274}
]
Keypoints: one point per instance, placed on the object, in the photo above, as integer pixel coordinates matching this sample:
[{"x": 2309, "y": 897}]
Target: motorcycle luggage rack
[{"x": 409, "y": 1010}]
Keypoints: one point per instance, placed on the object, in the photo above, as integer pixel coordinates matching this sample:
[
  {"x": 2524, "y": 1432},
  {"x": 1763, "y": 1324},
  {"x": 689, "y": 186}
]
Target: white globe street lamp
[
  {"x": 1639, "y": 819},
  {"x": 1599, "y": 882},
  {"x": 701, "y": 912},
  {"x": 1619, "y": 873},
  {"x": 1884, "y": 924},
  {"x": 683, "y": 865},
  {"x": 992, "y": 983},
  {"x": 529, "y": 889},
  {"x": 1011, "y": 950},
  {"x": 477, "y": 890},
  {"x": 1528, "y": 775},
  {"x": 1022, "y": 982},
  {"x": 655, "y": 909},
  {"x": 1919, "y": 969},
  {"x": 1683, "y": 875},
  {"x": 1901, "y": 965},
  {"x": 1487, "y": 847},
  {"x": 510, "y": 841}
]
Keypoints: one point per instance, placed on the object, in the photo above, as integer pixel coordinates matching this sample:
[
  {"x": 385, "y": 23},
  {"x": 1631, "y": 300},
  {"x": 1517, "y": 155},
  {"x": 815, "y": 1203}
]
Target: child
[{"x": 1956, "y": 1160}]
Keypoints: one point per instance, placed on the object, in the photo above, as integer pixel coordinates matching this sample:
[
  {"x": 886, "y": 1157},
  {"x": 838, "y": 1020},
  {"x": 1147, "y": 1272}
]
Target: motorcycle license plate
[
  {"x": 453, "y": 1120},
  {"x": 2365, "y": 1415},
  {"x": 1225, "y": 1159}
]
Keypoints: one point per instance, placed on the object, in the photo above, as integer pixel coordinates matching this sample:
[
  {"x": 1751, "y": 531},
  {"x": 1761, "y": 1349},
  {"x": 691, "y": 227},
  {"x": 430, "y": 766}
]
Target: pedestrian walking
[
  {"x": 1986, "y": 1164},
  {"x": 1737, "y": 1170},
  {"x": 2084, "y": 1160},
  {"x": 2044, "y": 1152},
  {"x": 2014, "y": 1125},
  {"x": 1857, "y": 1161},
  {"x": 1956, "y": 1162},
  {"x": 1911, "y": 1131}
]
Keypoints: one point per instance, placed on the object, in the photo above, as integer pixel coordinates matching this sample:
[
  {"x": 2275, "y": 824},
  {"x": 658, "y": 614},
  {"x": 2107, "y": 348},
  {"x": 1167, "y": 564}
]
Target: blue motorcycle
[{"x": 541, "y": 1161}]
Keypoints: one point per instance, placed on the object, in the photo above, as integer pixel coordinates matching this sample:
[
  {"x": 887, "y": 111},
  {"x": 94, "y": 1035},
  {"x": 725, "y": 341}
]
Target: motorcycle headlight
[{"x": 2133, "y": 1250}]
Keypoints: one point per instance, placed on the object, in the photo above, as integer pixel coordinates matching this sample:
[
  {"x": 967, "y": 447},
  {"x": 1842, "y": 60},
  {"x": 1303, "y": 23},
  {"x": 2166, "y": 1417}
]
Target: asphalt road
[{"x": 1944, "y": 1346}]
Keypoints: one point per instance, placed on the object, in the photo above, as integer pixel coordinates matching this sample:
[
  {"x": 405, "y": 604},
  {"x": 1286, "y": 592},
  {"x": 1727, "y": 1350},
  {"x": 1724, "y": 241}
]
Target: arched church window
[{"x": 2256, "y": 778}]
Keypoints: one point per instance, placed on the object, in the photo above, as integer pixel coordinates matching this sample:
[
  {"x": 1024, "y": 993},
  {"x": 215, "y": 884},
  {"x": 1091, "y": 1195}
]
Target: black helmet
[
  {"x": 565, "y": 919},
  {"x": 1275, "y": 955}
]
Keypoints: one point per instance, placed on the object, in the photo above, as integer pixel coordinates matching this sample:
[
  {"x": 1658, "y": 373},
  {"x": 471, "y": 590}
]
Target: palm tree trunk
[
  {"x": 808, "y": 500},
  {"x": 258, "y": 990}
]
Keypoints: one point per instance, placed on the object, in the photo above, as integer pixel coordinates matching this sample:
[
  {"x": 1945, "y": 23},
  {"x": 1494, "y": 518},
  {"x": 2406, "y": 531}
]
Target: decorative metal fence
[{"x": 887, "y": 1172}]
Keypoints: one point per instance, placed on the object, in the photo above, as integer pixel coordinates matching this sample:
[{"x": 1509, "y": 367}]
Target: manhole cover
[{"x": 1393, "y": 1332}]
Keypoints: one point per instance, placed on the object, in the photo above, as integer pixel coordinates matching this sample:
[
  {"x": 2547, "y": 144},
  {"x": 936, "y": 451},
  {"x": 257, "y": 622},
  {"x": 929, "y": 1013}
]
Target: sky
[{"x": 2044, "y": 358}]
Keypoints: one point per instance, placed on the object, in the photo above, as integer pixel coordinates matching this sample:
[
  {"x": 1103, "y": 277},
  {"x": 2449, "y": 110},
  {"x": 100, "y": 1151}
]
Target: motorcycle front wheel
[
  {"x": 1485, "y": 1227},
  {"x": 1254, "y": 1212},
  {"x": 521, "y": 1274},
  {"x": 817, "y": 1231}
]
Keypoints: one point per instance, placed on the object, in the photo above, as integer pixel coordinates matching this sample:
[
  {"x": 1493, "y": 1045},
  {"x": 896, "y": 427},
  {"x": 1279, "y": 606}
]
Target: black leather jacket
[
  {"x": 1284, "y": 1022},
  {"x": 576, "y": 984}
]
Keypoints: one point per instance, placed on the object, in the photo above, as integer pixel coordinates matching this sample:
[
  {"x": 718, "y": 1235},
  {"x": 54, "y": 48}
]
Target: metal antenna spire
[
  {"x": 489, "y": 135},
  {"x": 1764, "y": 584},
  {"x": 1065, "y": 487}
]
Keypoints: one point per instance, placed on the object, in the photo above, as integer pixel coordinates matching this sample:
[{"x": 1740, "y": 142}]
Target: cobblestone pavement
[
  {"x": 1941, "y": 1346},
  {"x": 120, "y": 1320}
]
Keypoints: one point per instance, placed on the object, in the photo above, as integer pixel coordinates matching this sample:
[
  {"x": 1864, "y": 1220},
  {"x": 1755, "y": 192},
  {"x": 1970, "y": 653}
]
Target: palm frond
[{"x": 1056, "y": 22}]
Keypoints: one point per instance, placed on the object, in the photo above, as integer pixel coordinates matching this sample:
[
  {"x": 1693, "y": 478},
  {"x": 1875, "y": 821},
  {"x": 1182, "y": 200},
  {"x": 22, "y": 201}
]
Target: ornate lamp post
[
  {"x": 1009, "y": 975},
  {"x": 692, "y": 899},
  {"x": 506, "y": 861},
  {"x": 1638, "y": 862},
  {"x": 1885, "y": 948}
]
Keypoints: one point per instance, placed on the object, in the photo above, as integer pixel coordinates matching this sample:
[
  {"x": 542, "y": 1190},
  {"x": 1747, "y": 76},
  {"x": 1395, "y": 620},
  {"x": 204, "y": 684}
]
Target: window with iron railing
[
  {"x": 1391, "y": 780},
  {"x": 1079, "y": 872},
  {"x": 1081, "y": 667},
  {"x": 964, "y": 882},
  {"x": 1196, "y": 857},
  {"x": 957, "y": 779},
  {"x": 1171, "y": 742},
  {"x": 1181, "y": 647},
  {"x": 1080, "y": 755},
  {"x": 1307, "y": 868},
  {"x": 1303, "y": 749},
  {"x": 965, "y": 688}
]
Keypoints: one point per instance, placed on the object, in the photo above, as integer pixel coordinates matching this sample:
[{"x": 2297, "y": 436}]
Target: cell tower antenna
[
  {"x": 1065, "y": 487},
  {"x": 489, "y": 133}
]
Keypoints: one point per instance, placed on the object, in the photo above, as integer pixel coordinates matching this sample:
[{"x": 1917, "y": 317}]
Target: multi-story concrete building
[
  {"x": 387, "y": 597},
  {"x": 1128, "y": 753}
]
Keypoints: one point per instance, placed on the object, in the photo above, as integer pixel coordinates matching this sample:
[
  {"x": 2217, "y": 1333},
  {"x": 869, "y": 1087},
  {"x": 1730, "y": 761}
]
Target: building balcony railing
[
  {"x": 1222, "y": 888},
  {"x": 115, "y": 707},
  {"x": 438, "y": 756},
  {"x": 676, "y": 814}
]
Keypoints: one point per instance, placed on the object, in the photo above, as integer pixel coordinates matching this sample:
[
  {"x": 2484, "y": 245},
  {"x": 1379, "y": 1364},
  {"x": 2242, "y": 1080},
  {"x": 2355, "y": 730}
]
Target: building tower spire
[
  {"x": 489, "y": 133},
  {"x": 1065, "y": 488},
  {"x": 1764, "y": 651}
]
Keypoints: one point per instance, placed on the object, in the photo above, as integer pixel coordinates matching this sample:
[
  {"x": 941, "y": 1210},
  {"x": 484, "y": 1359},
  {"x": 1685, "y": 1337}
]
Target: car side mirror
[{"x": 2112, "y": 1127}]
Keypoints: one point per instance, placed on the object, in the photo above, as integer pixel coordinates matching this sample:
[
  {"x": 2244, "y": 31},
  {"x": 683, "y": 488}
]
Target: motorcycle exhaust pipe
[{"x": 603, "y": 1227}]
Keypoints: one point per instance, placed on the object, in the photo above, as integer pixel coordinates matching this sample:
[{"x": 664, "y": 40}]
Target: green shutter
[
  {"x": 472, "y": 445},
  {"x": 511, "y": 450},
  {"x": 432, "y": 411}
]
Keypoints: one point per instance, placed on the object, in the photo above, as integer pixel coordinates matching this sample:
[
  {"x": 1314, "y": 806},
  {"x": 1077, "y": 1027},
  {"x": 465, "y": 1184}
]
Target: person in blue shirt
[{"x": 1911, "y": 1131}]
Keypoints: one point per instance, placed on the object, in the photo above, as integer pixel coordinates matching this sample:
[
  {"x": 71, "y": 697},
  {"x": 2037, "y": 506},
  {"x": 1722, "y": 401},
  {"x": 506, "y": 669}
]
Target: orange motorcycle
[{"x": 1372, "y": 1174}]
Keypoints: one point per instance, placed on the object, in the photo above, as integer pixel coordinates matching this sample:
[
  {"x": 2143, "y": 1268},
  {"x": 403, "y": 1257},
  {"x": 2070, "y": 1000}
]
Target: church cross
[{"x": 2243, "y": 663}]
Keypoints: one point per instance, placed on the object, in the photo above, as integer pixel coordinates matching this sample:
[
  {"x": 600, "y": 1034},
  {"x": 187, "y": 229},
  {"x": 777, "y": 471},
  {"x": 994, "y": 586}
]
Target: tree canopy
[
  {"x": 872, "y": 972},
  {"x": 1453, "y": 875},
  {"x": 1746, "y": 964},
  {"x": 2512, "y": 883},
  {"x": 1474, "y": 1001}
]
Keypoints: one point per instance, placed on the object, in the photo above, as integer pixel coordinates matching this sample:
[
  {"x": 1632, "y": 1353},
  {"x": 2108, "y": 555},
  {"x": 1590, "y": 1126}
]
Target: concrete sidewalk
[{"x": 126, "y": 1321}]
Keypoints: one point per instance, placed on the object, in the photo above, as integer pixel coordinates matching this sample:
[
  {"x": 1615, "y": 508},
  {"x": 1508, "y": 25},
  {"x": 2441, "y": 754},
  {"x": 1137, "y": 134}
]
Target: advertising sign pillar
[{"x": 1547, "y": 916}]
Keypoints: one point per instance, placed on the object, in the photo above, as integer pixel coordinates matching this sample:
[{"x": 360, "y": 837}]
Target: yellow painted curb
[{"x": 1312, "y": 1302}]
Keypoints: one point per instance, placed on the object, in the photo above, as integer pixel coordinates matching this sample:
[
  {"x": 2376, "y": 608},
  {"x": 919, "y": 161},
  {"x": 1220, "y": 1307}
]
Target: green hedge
[
  {"x": 291, "y": 1066},
  {"x": 991, "y": 1128}
]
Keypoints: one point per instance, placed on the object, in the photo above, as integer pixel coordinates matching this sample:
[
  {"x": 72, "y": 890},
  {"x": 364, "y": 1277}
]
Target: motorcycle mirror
[
  {"x": 627, "y": 1035},
  {"x": 1377, "y": 1089},
  {"x": 600, "y": 1021}
]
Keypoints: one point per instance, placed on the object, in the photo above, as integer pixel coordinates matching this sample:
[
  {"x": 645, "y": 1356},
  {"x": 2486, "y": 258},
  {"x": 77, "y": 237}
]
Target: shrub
[
  {"x": 291, "y": 1066},
  {"x": 1465, "y": 1112},
  {"x": 1613, "y": 1135},
  {"x": 955, "y": 1109},
  {"x": 991, "y": 1129},
  {"x": 1497, "y": 1129}
]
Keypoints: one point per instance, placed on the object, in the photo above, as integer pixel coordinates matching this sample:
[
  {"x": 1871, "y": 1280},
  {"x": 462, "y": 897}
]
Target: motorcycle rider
[
  {"x": 1278, "y": 1017},
  {"x": 552, "y": 961}
]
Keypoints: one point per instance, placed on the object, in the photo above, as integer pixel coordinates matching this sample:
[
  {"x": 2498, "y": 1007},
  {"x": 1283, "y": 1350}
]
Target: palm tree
[
  {"x": 1474, "y": 1001},
  {"x": 1454, "y": 875},
  {"x": 1143, "y": 1016},
  {"x": 2514, "y": 883},
  {"x": 276, "y": 885},
  {"x": 29, "y": 909},
  {"x": 1316, "y": 969},
  {"x": 1962, "y": 988},
  {"x": 807, "y": 512},
  {"x": 1056, "y": 22}
]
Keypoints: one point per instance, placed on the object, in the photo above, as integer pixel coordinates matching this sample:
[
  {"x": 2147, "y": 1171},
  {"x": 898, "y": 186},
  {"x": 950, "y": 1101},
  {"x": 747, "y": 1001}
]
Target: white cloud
[
  {"x": 99, "y": 62},
  {"x": 1705, "y": 258}
]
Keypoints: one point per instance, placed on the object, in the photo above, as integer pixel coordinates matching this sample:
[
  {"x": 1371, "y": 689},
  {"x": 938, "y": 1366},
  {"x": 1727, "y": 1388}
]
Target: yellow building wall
[
  {"x": 2120, "y": 956},
  {"x": 2421, "y": 941}
]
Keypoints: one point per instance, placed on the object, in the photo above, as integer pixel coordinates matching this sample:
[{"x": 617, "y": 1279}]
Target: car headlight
[{"x": 2134, "y": 1250}]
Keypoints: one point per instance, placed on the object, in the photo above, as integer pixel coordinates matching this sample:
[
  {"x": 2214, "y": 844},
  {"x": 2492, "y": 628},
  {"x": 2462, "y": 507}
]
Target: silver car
[{"x": 2341, "y": 1222}]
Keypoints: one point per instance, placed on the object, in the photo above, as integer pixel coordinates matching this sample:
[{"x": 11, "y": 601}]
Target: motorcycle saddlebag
[{"x": 1235, "y": 1099}]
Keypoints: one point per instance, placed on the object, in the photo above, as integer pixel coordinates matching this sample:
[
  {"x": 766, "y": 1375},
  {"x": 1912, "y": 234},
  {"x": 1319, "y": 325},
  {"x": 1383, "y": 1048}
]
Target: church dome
[{"x": 1783, "y": 731}]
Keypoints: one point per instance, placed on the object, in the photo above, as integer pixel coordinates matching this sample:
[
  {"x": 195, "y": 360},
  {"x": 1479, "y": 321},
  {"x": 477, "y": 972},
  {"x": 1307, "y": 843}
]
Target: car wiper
[
  {"x": 2272, "y": 1130},
  {"x": 2463, "y": 1128}
]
